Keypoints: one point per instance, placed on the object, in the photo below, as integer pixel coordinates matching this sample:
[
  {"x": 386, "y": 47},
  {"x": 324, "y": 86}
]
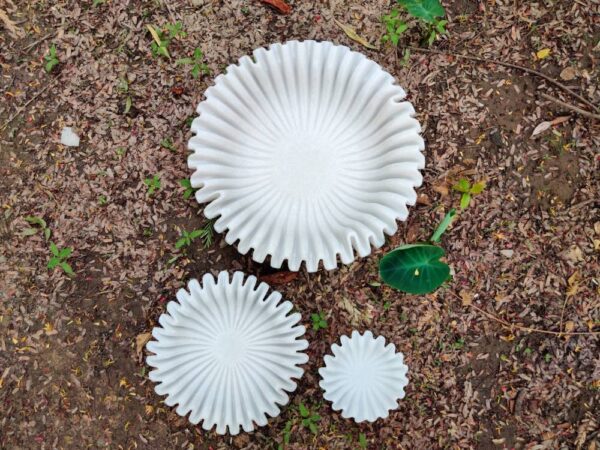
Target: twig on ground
[
  {"x": 166, "y": 3},
  {"x": 583, "y": 112},
  {"x": 534, "y": 330},
  {"x": 512, "y": 66},
  {"x": 22, "y": 108},
  {"x": 39, "y": 41}
]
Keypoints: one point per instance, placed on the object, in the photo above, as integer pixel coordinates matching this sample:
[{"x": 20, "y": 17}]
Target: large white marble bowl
[
  {"x": 306, "y": 152},
  {"x": 364, "y": 378},
  {"x": 226, "y": 353}
]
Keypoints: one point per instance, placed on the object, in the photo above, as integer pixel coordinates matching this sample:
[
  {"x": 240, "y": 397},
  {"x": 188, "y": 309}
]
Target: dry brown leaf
[
  {"x": 141, "y": 340},
  {"x": 441, "y": 189},
  {"x": 467, "y": 297},
  {"x": 279, "y": 277},
  {"x": 568, "y": 74},
  {"x": 543, "y": 126},
  {"x": 569, "y": 326},
  {"x": 279, "y": 5},
  {"x": 560, "y": 119},
  {"x": 9, "y": 25},
  {"x": 573, "y": 284},
  {"x": 351, "y": 33}
]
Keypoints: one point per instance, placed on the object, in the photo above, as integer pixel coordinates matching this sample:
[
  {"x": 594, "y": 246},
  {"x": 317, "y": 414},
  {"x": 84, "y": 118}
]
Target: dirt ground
[{"x": 525, "y": 253}]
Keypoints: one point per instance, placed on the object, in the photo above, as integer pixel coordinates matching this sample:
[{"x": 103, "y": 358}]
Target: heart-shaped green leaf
[
  {"x": 426, "y": 10},
  {"x": 414, "y": 268}
]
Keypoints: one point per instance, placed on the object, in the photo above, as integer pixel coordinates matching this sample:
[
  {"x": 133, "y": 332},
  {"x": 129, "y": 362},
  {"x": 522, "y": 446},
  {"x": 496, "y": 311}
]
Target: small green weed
[
  {"x": 205, "y": 233},
  {"x": 153, "y": 184},
  {"x": 287, "y": 433},
  {"x": 468, "y": 190},
  {"x": 309, "y": 420},
  {"x": 196, "y": 61},
  {"x": 102, "y": 200},
  {"x": 362, "y": 441},
  {"x": 162, "y": 38},
  {"x": 189, "y": 190},
  {"x": 59, "y": 258},
  {"x": 41, "y": 226},
  {"x": 51, "y": 59},
  {"x": 98, "y": 2},
  {"x": 168, "y": 144},
  {"x": 318, "y": 321},
  {"x": 120, "y": 151}
]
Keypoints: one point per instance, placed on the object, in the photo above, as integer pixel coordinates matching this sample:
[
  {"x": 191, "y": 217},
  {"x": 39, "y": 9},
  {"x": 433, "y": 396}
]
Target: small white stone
[
  {"x": 508, "y": 253},
  {"x": 69, "y": 138}
]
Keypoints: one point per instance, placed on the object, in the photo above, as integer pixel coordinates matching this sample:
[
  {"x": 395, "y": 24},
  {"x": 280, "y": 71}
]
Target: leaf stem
[{"x": 435, "y": 237}]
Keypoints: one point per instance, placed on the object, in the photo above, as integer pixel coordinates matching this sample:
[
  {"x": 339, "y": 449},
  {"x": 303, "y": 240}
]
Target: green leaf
[
  {"x": 34, "y": 220},
  {"x": 184, "y": 61},
  {"x": 198, "y": 55},
  {"x": 362, "y": 440},
  {"x": 54, "y": 261},
  {"x": 127, "y": 105},
  {"x": 303, "y": 411},
  {"x": 401, "y": 28},
  {"x": 463, "y": 185},
  {"x": 65, "y": 253},
  {"x": 185, "y": 182},
  {"x": 197, "y": 233},
  {"x": 315, "y": 417},
  {"x": 414, "y": 268},
  {"x": 313, "y": 428},
  {"x": 47, "y": 233},
  {"x": 435, "y": 237},
  {"x": 53, "y": 249},
  {"x": 196, "y": 71},
  {"x": 67, "y": 268},
  {"x": 441, "y": 26},
  {"x": 426, "y": 10},
  {"x": 29, "y": 231},
  {"x": 431, "y": 37},
  {"x": 477, "y": 188},
  {"x": 180, "y": 243},
  {"x": 465, "y": 200}
]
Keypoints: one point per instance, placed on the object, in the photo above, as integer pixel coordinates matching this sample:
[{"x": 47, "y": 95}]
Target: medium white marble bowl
[
  {"x": 226, "y": 353},
  {"x": 365, "y": 378},
  {"x": 306, "y": 152}
]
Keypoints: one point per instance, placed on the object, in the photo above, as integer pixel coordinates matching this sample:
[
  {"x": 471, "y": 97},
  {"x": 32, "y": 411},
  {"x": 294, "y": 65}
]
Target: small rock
[
  {"x": 69, "y": 138},
  {"x": 508, "y": 253}
]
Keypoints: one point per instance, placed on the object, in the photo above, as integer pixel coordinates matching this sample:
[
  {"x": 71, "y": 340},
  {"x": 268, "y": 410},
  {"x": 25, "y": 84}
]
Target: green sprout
[
  {"x": 196, "y": 61},
  {"x": 318, "y": 321},
  {"x": 189, "y": 190},
  {"x": 51, "y": 59},
  {"x": 468, "y": 191},
  {"x": 41, "y": 226},
  {"x": 59, "y": 258},
  {"x": 153, "y": 184},
  {"x": 309, "y": 420}
]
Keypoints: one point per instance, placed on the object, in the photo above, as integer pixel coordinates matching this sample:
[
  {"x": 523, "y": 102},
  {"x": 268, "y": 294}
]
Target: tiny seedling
[
  {"x": 98, "y": 2},
  {"x": 287, "y": 433},
  {"x": 41, "y": 226},
  {"x": 51, "y": 59},
  {"x": 168, "y": 144},
  {"x": 59, "y": 258},
  {"x": 196, "y": 61},
  {"x": 102, "y": 200},
  {"x": 394, "y": 27},
  {"x": 318, "y": 321},
  {"x": 362, "y": 441},
  {"x": 309, "y": 420},
  {"x": 189, "y": 190},
  {"x": 205, "y": 233},
  {"x": 468, "y": 191},
  {"x": 160, "y": 42},
  {"x": 120, "y": 151},
  {"x": 153, "y": 184},
  {"x": 175, "y": 30}
]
